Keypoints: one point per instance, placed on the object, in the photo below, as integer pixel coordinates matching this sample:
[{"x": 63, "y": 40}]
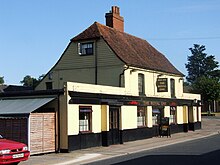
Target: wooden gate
[
  {"x": 14, "y": 128},
  {"x": 42, "y": 133}
]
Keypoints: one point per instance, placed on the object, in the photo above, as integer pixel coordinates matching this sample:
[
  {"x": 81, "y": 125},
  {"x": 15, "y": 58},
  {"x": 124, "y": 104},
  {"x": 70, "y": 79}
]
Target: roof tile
[{"x": 131, "y": 50}]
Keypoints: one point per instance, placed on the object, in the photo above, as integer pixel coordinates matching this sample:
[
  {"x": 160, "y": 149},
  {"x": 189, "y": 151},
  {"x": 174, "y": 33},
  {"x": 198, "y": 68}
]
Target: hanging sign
[{"x": 162, "y": 85}]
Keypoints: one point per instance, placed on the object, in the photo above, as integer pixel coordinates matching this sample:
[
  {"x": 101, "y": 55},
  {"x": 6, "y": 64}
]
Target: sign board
[{"x": 162, "y": 85}]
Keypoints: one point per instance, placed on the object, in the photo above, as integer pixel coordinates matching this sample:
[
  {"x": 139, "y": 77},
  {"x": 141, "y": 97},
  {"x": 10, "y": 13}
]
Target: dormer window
[{"x": 85, "y": 48}]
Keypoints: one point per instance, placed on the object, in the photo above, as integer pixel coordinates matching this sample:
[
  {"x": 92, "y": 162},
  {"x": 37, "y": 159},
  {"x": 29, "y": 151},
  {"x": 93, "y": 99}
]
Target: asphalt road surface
[{"x": 204, "y": 151}]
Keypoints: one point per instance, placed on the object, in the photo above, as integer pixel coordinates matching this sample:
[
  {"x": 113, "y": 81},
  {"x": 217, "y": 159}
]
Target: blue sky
[{"x": 34, "y": 34}]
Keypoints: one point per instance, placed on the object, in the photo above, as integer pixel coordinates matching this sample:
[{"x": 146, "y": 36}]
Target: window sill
[
  {"x": 85, "y": 132},
  {"x": 88, "y": 54}
]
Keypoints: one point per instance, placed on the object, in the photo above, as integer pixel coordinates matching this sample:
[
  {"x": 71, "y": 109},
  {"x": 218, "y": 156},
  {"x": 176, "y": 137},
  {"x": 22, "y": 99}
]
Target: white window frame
[
  {"x": 141, "y": 117},
  {"x": 85, "y": 119},
  {"x": 86, "y": 48}
]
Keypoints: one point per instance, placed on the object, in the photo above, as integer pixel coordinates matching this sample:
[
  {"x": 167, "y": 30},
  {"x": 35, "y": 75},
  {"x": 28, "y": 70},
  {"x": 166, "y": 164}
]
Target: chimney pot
[{"x": 114, "y": 20}]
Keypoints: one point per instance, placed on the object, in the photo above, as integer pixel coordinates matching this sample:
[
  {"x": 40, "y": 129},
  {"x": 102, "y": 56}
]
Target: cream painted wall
[
  {"x": 131, "y": 82},
  {"x": 150, "y": 77},
  {"x": 167, "y": 111},
  {"x": 194, "y": 114},
  {"x": 96, "y": 118},
  {"x": 149, "y": 122},
  {"x": 199, "y": 114},
  {"x": 73, "y": 119},
  {"x": 179, "y": 115},
  {"x": 129, "y": 119}
]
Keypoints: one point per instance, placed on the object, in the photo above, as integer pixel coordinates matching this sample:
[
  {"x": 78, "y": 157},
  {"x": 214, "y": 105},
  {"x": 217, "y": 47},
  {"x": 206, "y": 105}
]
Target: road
[{"x": 203, "y": 151}]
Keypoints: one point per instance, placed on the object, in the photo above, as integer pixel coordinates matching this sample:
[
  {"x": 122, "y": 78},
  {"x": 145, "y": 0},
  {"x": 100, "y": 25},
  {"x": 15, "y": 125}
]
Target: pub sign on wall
[{"x": 162, "y": 85}]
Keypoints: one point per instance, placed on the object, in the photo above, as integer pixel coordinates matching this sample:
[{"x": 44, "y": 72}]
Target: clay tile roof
[{"x": 133, "y": 51}]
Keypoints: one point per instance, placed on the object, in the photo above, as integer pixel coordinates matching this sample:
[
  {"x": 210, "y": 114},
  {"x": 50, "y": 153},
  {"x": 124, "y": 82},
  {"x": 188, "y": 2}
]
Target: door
[
  {"x": 114, "y": 125},
  {"x": 42, "y": 132},
  {"x": 14, "y": 128}
]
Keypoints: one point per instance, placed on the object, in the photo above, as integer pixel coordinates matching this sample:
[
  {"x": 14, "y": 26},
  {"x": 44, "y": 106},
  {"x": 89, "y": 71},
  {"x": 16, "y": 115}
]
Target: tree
[
  {"x": 2, "y": 80},
  {"x": 31, "y": 81},
  {"x": 209, "y": 88},
  {"x": 203, "y": 74},
  {"x": 200, "y": 64}
]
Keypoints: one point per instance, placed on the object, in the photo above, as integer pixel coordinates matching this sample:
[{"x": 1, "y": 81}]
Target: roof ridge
[
  {"x": 118, "y": 31},
  {"x": 130, "y": 49}
]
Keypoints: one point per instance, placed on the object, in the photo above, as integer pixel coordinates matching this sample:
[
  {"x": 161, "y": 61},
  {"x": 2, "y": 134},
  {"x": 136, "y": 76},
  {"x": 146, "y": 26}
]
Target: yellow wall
[
  {"x": 150, "y": 77},
  {"x": 179, "y": 115},
  {"x": 194, "y": 114},
  {"x": 105, "y": 117},
  {"x": 63, "y": 122},
  {"x": 149, "y": 116},
  {"x": 190, "y": 109},
  {"x": 96, "y": 118},
  {"x": 167, "y": 111},
  {"x": 129, "y": 117},
  {"x": 73, "y": 119},
  {"x": 185, "y": 114},
  {"x": 199, "y": 114}
]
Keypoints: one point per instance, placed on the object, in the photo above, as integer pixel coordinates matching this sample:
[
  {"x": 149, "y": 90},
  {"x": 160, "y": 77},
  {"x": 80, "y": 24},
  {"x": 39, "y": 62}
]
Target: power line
[{"x": 192, "y": 38}]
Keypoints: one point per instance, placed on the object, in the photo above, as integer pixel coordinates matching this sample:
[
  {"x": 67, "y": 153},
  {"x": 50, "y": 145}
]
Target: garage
[
  {"x": 31, "y": 121},
  {"x": 15, "y": 128}
]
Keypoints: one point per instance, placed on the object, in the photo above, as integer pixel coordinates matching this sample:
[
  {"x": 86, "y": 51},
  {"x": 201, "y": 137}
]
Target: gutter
[{"x": 120, "y": 76}]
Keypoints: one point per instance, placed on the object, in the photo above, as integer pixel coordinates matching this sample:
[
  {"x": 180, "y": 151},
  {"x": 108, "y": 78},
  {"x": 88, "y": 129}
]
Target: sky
[{"x": 34, "y": 34}]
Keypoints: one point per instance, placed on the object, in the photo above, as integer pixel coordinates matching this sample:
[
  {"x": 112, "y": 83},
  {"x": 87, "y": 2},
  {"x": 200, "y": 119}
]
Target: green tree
[
  {"x": 31, "y": 81},
  {"x": 203, "y": 74},
  {"x": 200, "y": 64},
  {"x": 209, "y": 88},
  {"x": 2, "y": 80}
]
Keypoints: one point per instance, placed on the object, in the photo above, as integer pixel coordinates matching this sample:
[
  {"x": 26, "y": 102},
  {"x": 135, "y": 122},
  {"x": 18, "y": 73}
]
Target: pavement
[{"x": 210, "y": 126}]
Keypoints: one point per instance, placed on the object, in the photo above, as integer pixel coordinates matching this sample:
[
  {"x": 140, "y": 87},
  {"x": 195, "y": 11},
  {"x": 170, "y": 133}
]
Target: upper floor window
[
  {"x": 141, "y": 88},
  {"x": 172, "y": 87},
  {"x": 85, "y": 48}
]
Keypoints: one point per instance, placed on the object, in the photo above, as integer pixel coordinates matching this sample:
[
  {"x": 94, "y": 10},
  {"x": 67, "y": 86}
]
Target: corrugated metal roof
[{"x": 22, "y": 106}]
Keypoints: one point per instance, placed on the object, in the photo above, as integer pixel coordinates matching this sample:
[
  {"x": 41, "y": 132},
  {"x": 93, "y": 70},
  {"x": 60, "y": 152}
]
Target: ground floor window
[
  {"x": 141, "y": 117},
  {"x": 172, "y": 115},
  {"x": 155, "y": 117},
  {"x": 85, "y": 118}
]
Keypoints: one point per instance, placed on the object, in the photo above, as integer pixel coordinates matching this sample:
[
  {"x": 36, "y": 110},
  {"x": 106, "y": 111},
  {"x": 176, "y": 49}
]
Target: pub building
[{"x": 108, "y": 87}]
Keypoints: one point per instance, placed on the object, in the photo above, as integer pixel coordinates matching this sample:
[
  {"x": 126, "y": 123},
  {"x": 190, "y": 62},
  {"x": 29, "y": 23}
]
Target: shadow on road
[{"x": 205, "y": 159}]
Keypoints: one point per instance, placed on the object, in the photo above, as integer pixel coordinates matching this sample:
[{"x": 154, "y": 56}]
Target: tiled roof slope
[{"x": 132, "y": 50}]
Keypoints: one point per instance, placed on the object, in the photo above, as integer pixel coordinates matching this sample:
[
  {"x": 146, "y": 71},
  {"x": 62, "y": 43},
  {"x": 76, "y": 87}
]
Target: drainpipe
[
  {"x": 58, "y": 124},
  {"x": 120, "y": 76},
  {"x": 96, "y": 64}
]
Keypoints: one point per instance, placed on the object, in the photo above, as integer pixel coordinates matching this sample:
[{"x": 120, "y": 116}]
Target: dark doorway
[{"x": 114, "y": 125}]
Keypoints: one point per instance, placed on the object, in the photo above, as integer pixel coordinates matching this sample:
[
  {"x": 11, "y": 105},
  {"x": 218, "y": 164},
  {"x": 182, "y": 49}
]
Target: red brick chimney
[{"x": 114, "y": 20}]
